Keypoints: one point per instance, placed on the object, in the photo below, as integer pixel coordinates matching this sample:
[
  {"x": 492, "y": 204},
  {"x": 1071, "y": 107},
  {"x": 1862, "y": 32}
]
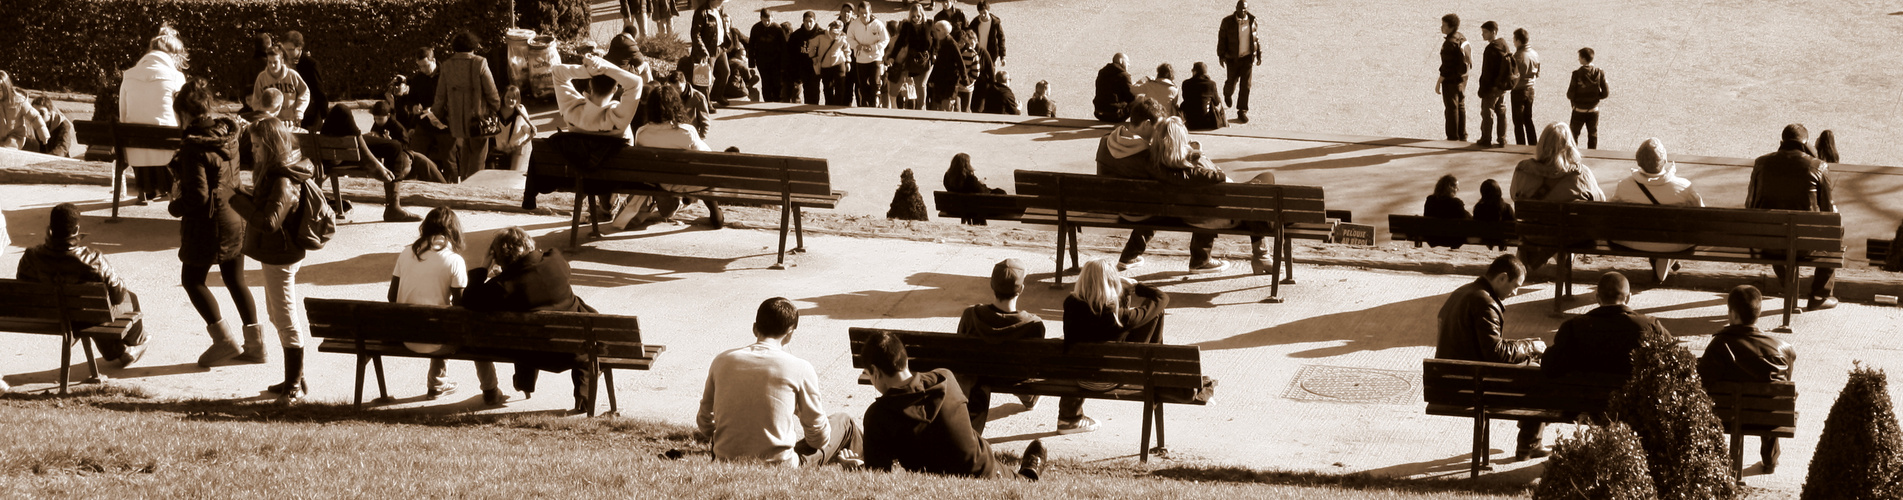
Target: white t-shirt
[{"x": 426, "y": 281}]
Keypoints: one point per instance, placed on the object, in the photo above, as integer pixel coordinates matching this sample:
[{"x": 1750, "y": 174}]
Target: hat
[
  {"x": 1651, "y": 155},
  {"x": 1007, "y": 278},
  {"x": 63, "y": 224},
  {"x": 1796, "y": 133},
  {"x": 621, "y": 50}
]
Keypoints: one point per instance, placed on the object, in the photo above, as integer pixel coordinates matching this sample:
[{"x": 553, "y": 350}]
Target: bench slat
[
  {"x": 1546, "y": 210},
  {"x": 1168, "y": 366},
  {"x": 135, "y": 135}
]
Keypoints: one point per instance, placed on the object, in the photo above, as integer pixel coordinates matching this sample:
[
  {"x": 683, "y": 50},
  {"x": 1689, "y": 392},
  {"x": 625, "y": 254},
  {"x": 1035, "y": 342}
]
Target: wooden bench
[
  {"x": 1422, "y": 229},
  {"x": 1487, "y": 391},
  {"x": 1153, "y": 374},
  {"x": 120, "y": 136},
  {"x": 371, "y": 330},
  {"x": 792, "y": 183},
  {"x": 336, "y": 157},
  {"x": 1074, "y": 201},
  {"x": 1738, "y": 235},
  {"x": 77, "y": 313}
]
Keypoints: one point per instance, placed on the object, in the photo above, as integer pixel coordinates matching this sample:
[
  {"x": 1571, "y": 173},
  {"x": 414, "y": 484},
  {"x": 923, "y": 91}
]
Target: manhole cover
[{"x": 1354, "y": 385}]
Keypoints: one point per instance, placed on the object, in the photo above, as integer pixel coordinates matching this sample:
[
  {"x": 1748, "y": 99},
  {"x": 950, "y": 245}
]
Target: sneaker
[
  {"x": 1819, "y": 305},
  {"x": 1213, "y": 266},
  {"x": 133, "y": 353},
  {"x": 1082, "y": 425},
  {"x": 1131, "y": 264},
  {"x": 438, "y": 392},
  {"x": 1028, "y": 400}
]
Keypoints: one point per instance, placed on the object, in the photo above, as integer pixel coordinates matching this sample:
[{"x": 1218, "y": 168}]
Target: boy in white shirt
[{"x": 279, "y": 76}]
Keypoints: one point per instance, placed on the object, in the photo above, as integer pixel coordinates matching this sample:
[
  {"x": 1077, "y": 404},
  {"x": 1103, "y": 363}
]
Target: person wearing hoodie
[
  {"x": 867, "y": 38},
  {"x": 1125, "y": 151},
  {"x": 275, "y": 193},
  {"x": 1556, "y": 172},
  {"x": 145, "y": 97},
  {"x": 1794, "y": 179},
  {"x": 1161, "y": 89},
  {"x": 1586, "y": 90},
  {"x": 211, "y": 233},
  {"x": 998, "y": 321},
  {"x": 1656, "y": 182},
  {"x": 1497, "y": 76},
  {"x": 64, "y": 260},
  {"x": 916, "y": 423},
  {"x": 1741, "y": 353}
]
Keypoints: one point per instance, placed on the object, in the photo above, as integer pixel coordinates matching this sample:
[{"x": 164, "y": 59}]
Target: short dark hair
[
  {"x": 1145, "y": 109},
  {"x": 1165, "y": 72},
  {"x": 666, "y": 105},
  {"x": 776, "y": 318},
  {"x": 47, "y": 102},
  {"x": 1520, "y": 35},
  {"x": 62, "y": 225},
  {"x": 380, "y": 108},
  {"x": 1746, "y": 302},
  {"x": 194, "y": 99},
  {"x": 1585, "y": 54},
  {"x": 270, "y": 51},
  {"x": 1451, "y": 21},
  {"x": 764, "y": 14},
  {"x": 1506, "y": 264},
  {"x": 1613, "y": 287},
  {"x": 884, "y": 352},
  {"x": 294, "y": 39},
  {"x": 425, "y": 53},
  {"x": 601, "y": 85},
  {"x": 1490, "y": 26},
  {"x": 1198, "y": 69},
  {"x": 465, "y": 41}
]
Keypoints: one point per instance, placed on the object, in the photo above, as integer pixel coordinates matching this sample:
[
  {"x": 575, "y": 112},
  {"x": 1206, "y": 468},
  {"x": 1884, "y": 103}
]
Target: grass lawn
[{"x": 114, "y": 442}]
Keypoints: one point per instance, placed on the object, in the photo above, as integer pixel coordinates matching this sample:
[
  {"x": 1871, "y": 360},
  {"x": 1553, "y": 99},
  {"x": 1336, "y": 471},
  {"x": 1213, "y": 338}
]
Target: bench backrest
[
  {"x": 1418, "y": 228},
  {"x": 126, "y": 135},
  {"x": 1877, "y": 250},
  {"x": 983, "y": 205},
  {"x": 329, "y": 150},
  {"x": 1500, "y": 385},
  {"x": 580, "y": 333},
  {"x": 1760, "y": 404},
  {"x": 1549, "y": 222},
  {"x": 1148, "y": 365},
  {"x": 28, "y": 307},
  {"x": 1099, "y": 194},
  {"x": 739, "y": 171}
]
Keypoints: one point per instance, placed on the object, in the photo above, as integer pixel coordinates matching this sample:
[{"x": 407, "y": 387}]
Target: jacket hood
[
  {"x": 1124, "y": 142},
  {"x": 1664, "y": 177},
  {"x": 297, "y": 169},
  {"x": 1544, "y": 169},
  {"x": 156, "y": 65},
  {"x": 925, "y": 396},
  {"x": 216, "y": 135}
]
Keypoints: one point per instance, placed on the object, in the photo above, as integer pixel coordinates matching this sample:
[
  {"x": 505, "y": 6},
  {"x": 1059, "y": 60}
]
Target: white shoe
[{"x": 1082, "y": 425}]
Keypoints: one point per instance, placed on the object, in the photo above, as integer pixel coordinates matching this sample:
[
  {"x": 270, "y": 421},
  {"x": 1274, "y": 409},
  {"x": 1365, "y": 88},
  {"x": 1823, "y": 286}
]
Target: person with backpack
[
  {"x": 1498, "y": 75},
  {"x": 210, "y": 232},
  {"x": 290, "y": 217}
]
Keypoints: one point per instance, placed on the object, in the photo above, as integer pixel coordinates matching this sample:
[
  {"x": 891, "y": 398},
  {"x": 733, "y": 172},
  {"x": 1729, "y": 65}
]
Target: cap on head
[
  {"x": 1007, "y": 279},
  {"x": 1651, "y": 155}
]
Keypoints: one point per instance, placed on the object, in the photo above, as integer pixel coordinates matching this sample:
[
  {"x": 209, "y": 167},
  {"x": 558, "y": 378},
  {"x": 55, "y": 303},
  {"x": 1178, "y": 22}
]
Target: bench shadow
[
  {"x": 26, "y": 226},
  {"x": 365, "y": 268},
  {"x": 930, "y": 295},
  {"x": 1444, "y": 467},
  {"x": 1050, "y": 132},
  {"x": 1030, "y": 436},
  {"x": 1408, "y": 323},
  {"x": 1353, "y": 161},
  {"x": 79, "y": 372},
  {"x": 1304, "y": 153},
  {"x": 671, "y": 267}
]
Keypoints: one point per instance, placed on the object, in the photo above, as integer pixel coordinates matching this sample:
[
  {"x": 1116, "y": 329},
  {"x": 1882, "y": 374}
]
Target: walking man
[
  {"x": 1238, "y": 50},
  {"x": 1586, "y": 90},
  {"x": 1455, "y": 59},
  {"x": 868, "y": 39},
  {"x": 1496, "y": 78},
  {"x": 1528, "y": 63}
]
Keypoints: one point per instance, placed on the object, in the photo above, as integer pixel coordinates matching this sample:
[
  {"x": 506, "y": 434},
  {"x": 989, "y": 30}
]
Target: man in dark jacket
[
  {"x": 766, "y": 46},
  {"x": 954, "y": 15},
  {"x": 313, "y": 118},
  {"x": 1238, "y": 49},
  {"x": 1602, "y": 340},
  {"x": 1113, "y": 90},
  {"x": 1496, "y": 78},
  {"x": 1471, "y": 324},
  {"x": 990, "y": 32},
  {"x": 918, "y": 421},
  {"x": 1455, "y": 59},
  {"x": 1586, "y": 90},
  {"x": 63, "y": 260},
  {"x": 1740, "y": 353},
  {"x": 1201, "y": 108},
  {"x": 1793, "y": 179},
  {"x": 998, "y": 321},
  {"x": 799, "y": 67}
]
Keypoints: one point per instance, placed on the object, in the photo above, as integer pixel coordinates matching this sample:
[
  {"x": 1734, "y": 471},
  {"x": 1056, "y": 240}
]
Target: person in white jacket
[
  {"x": 145, "y": 97},
  {"x": 868, "y": 39},
  {"x": 1656, "y": 182},
  {"x": 21, "y": 125}
]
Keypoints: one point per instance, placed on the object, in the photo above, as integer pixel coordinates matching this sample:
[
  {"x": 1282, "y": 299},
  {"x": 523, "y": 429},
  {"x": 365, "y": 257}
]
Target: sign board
[{"x": 1353, "y": 234}]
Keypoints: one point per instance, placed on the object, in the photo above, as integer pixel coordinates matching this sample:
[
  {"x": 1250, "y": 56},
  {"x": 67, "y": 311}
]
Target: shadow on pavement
[
  {"x": 1507, "y": 483},
  {"x": 933, "y": 295}
]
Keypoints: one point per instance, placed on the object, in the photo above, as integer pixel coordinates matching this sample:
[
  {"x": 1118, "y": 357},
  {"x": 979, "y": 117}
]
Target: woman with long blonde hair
[
  {"x": 281, "y": 172},
  {"x": 1556, "y": 172},
  {"x": 1106, "y": 307}
]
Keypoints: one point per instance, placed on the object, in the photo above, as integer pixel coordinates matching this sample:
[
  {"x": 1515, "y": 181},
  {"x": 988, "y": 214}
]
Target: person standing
[
  {"x": 952, "y": 14},
  {"x": 1472, "y": 327},
  {"x": 1239, "y": 51},
  {"x": 1656, "y": 182},
  {"x": 766, "y": 45},
  {"x": 1741, "y": 353},
  {"x": 1496, "y": 78},
  {"x": 803, "y": 78},
  {"x": 276, "y": 194},
  {"x": 1455, "y": 59},
  {"x": 1792, "y": 179},
  {"x": 297, "y": 57},
  {"x": 1527, "y": 63},
  {"x": 868, "y": 40},
  {"x": 948, "y": 70},
  {"x": 465, "y": 94},
  {"x": 1586, "y": 90},
  {"x": 990, "y": 31},
  {"x": 145, "y": 97},
  {"x": 914, "y": 53},
  {"x": 211, "y": 233}
]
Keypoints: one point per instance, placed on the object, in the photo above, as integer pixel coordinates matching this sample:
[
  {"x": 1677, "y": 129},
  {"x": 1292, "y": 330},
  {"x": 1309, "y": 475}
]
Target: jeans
[
  {"x": 1493, "y": 120},
  {"x": 280, "y": 302},
  {"x": 865, "y": 81},
  {"x": 1200, "y": 244},
  {"x": 1581, "y": 121},
  {"x": 114, "y": 347},
  {"x": 1241, "y": 69},
  {"x": 844, "y": 441},
  {"x": 1524, "y": 131},
  {"x": 838, "y": 86},
  {"x": 1822, "y": 285},
  {"x": 808, "y": 85},
  {"x": 1453, "y": 97},
  {"x": 439, "y": 372}
]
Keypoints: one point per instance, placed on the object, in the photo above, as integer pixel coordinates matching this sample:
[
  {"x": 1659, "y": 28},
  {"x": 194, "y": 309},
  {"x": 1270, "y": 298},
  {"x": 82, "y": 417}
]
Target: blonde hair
[
  {"x": 166, "y": 42},
  {"x": 275, "y": 138},
  {"x": 1100, "y": 287},
  {"x": 1169, "y": 146},
  {"x": 1557, "y": 148}
]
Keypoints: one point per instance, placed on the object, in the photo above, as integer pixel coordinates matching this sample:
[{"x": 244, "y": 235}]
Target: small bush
[
  {"x": 566, "y": 20},
  {"x": 669, "y": 48},
  {"x": 1666, "y": 405},
  {"x": 1858, "y": 455},
  {"x": 1597, "y": 463}
]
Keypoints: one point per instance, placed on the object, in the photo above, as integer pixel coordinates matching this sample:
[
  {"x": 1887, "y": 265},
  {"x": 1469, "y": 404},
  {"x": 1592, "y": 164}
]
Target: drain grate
[{"x": 1341, "y": 384}]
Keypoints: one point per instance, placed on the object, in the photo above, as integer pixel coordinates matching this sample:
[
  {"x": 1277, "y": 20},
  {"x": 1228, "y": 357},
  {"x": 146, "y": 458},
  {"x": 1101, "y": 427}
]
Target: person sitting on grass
[
  {"x": 1106, "y": 307},
  {"x": 762, "y": 404},
  {"x": 60, "y": 139},
  {"x": 62, "y": 259},
  {"x": 20, "y": 124},
  {"x": 916, "y": 423},
  {"x": 430, "y": 272},
  {"x": 521, "y": 278},
  {"x": 1741, "y": 353},
  {"x": 998, "y": 321},
  {"x": 385, "y": 160},
  {"x": 1445, "y": 204}
]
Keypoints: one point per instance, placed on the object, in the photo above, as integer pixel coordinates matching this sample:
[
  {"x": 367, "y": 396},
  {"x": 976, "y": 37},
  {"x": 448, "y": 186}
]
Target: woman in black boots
[
  {"x": 210, "y": 232},
  {"x": 281, "y": 171}
]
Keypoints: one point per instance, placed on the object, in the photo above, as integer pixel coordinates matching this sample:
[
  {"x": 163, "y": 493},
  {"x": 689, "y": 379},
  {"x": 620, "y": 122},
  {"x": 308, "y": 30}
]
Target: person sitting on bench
[
  {"x": 62, "y": 259},
  {"x": 916, "y": 423},
  {"x": 1656, "y": 182},
  {"x": 1106, "y": 307},
  {"x": 998, "y": 321},
  {"x": 1472, "y": 322},
  {"x": 520, "y": 278},
  {"x": 385, "y": 160},
  {"x": 1602, "y": 340},
  {"x": 1741, "y": 353}
]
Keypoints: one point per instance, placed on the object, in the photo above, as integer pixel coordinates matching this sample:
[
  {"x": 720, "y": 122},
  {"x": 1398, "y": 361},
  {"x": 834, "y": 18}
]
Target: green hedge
[
  {"x": 68, "y": 45},
  {"x": 1597, "y": 463},
  {"x": 1666, "y": 405},
  {"x": 1860, "y": 454}
]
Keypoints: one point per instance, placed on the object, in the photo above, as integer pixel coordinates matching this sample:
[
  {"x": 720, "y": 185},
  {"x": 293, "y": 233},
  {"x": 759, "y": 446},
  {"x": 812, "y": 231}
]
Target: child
[
  {"x": 60, "y": 139},
  {"x": 264, "y": 104},
  {"x": 277, "y": 75},
  {"x": 1445, "y": 204},
  {"x": 1493, "y": 208},
  {"x": 1040, "y": 103},
  {"x": 430, "y": 271}
]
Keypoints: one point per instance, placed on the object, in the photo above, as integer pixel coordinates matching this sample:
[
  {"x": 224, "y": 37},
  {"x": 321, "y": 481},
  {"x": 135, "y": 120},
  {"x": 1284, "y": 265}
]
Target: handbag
[{"x": 485, "y": 121}]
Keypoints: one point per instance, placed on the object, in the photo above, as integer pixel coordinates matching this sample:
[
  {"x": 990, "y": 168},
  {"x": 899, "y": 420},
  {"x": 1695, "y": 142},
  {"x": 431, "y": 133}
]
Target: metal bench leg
[
  {"x": 786, "y": 214},
  {"x": 92, "y": 362},
  {"x": 614, "y": 407},
  {"x": 1143, "y": 454},
  {"x": 337, "y": 190},
  {"x": 1790, "y": 291},
  {"x": 799, "y": 230},
  {"x": 383, "y": 389},
  {"x": 65, "y": 362},
  {"x": 361, "y": 361}
]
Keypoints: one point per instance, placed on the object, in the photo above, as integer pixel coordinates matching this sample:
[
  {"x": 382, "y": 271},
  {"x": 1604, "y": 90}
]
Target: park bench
[
  {"x": 77, "y": 313},
  {"x": 1075, "y": 201},
  {"x": 791, "y": 183},
  {"x": 1154, "y": 374},
  {"x": 372, "y": 330},
  {"x": 1422, "y": 229},
  {"x": 336, "y": 157},
  {"x": 120, "y": 136},
  {"x": 1487, "y": 391},
  {"x": 1876, "y": 251},
  {"x": 1737, "y": 235}
]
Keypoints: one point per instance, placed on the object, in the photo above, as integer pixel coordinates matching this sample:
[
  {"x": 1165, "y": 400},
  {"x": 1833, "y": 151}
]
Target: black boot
[
  {"x": 293, "y": 388},
  {"x": 393, "y": 205},
  {"x": 1032, "y": 467},
  {"x": 584, "y": 399}
]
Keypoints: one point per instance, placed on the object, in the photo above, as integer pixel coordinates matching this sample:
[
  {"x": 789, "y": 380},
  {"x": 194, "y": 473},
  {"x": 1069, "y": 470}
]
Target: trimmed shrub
[
  {"x": 1858, "y": 455},
  {"x": 566, "y": 20},
  {"x": 1666, "y": 405},
  {"x": 668, "y": 48},
  {"x": 358, "y": 44},
  {"x": 1597, "y": 463}
]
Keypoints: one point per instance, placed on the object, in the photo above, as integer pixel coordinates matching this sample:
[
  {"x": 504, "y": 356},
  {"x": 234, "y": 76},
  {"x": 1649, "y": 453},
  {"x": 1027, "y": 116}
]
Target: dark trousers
[
  {"x": 111, "y": 348},
  {"x": 1823, "y": 284},
  {"x": 865, "y": 82},
  {"x": 1200, "y": 244},
  {"x": 1493, "y": 117},
  {"x": 770, "y": 85},
  {"x": 1529, "y": 434},
  {"x": 838, "y": 85},
  {"x": 1240, "y": 70},
  {"x": 1582, "y": 121},
  {"x": 1453, "y": 97},
  {"x": 809, "y": 86},
  {"x": 529, "y": 364},
  {"x": 1524, "y": 131}
]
